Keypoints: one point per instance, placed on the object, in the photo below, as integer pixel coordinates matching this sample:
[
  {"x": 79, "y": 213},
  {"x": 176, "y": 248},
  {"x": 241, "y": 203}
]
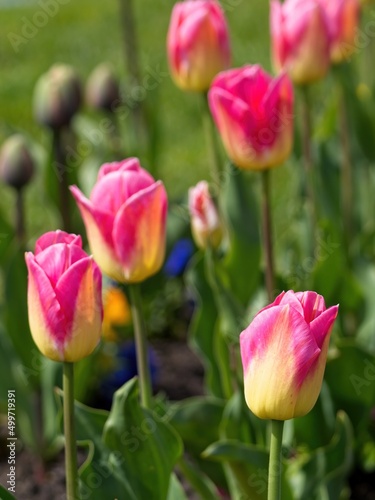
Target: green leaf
[
  {"x": 5, "y": 495},
  {"x": 197, "y": 421},
  {"x": 16, "y": 316},
  {"x": 249, "y": 465},
  {"x": 317, "y": 427},
  {"x": 202, "y": 327},
  {"x": 131, "y": 453},
  {"x": 322, "y": 474},
  {"x": 350, "y": 376},
  {"x": 175, "y": 490},
  {"x": 242, "y": 216},
  {"x": 199, "y": 481}
]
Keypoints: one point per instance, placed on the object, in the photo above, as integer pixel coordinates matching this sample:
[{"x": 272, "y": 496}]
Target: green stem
[
  {"x": 309, "y": 164},
  {"x": 137, "y": 110},
  {"x": 212, "y": 146},
  {"x": 141, "y": 347},
  {"x": 346, "y": 175},
  {"x": 225, "y": 371},
  {"x": 70, "y": 438},
  {"x": 267, "y": 234},
  {"x": 64, "y": 193},
  {"x": 20, "y": 217},
  {"x": 275, "y": 466}
]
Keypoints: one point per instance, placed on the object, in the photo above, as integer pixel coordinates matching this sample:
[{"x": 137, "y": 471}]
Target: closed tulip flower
[
  {"x": 254, "y": 115},
  {"x": 205, "y": 221},
  {"x": 64, "y": 297},
  {"x": 343, "y": 18},
  {"x": 284, "y": 351},
  {"x": 197, "y": 44},
  {"x": 125, "y": 219},
  {"x": 300, "y": 39}
]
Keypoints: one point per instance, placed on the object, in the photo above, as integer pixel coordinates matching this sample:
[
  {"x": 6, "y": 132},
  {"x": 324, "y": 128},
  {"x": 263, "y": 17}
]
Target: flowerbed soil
[{"x": 180, "y": 376}]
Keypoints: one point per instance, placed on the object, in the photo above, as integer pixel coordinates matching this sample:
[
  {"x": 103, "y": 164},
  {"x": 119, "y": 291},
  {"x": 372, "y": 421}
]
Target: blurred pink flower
[
  {"x": 197, "y": 43},
  {"x": 300, "y": 39},
  {"x": 205, "y": 221},
  {"x": 254, "y": 115},
  {"x": 343, "y": 18}
]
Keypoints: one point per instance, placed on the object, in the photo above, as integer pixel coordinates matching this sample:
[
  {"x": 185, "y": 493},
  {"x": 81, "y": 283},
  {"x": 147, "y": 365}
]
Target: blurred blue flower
[
  {"x": 126, "y": 363},
  {"x": 179, "y": 257}
]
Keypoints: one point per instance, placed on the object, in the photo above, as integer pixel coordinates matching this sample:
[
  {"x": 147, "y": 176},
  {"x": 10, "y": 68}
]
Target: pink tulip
[
  {"x": 254, "y": 115},
  {"x": 205, "y": 222},
  {"x": 125, "y": 220},
  {"x": 343, "y": 18},
  {"x": 64, "y": 297},
  {"x": 300, "y": 39},
  {"x": 197, "y": 43},
  {"x": 284, "y": 352}
]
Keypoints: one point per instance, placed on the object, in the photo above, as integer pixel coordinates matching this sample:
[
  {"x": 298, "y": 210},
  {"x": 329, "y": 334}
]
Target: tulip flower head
[
  {"x": 284, "y": 352},
  {"x": 343, "y": 19},
  {"x": 254, "y": 115},
  {"x": 197, "y": 44},
  {"x": 300, "y": 39},
  {"x": 125, "y": 219},
  {"x": 205, "y": 221},
  {"x": 64, "y": 297}
]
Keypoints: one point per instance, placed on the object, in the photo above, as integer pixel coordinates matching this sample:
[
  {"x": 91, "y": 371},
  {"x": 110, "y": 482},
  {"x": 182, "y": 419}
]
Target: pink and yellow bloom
[
  {"x": 64, "y": 297},
  {"x": 197, "y": 43},
  {"x": 206, "y": 226},
  {"x": 254, "y": 115},
  {"x": 343, "y": 18},
  {"x": 301, "y": 39},
  {"x": 284, "y": 352},
  {"x": 125, "y": 219}
]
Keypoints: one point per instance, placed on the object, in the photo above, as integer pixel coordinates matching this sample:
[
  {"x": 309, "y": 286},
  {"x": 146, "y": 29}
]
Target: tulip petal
[
  {"x": 53, "y": 237},
  {"x": 313, "y": 304},
  {"x": 48, "y": 324},
  {"x": 321, "y": 326},
  {"x": 277, "y": 351},
  {"x": 129, "y": 164},
  {"x": 139, "y": 233},
  {"x": 99, "y": 233},
  {"x": 79, "y": 292}
]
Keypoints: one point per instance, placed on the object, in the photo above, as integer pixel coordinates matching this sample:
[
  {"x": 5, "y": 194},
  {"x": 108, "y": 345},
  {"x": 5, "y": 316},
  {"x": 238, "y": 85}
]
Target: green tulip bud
[
  {"x": 102, "y": 89},
  {"x": 16, "y": 163},
  {"x": 57, "y": 96}
]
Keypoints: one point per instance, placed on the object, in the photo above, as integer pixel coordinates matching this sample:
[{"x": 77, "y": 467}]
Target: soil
[{"x": 180, "y": 375}]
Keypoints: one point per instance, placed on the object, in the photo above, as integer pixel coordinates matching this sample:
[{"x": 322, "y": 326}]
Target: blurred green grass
[{"x": 84, "y": 33}]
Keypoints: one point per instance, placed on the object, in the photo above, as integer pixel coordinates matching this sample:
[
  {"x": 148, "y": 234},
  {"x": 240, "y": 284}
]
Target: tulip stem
[
  {"x": 275, "y": 466},
  {"x": 60, "y": 161},
  {"x": 267, "y": 234},
  {"x": 141, "y": 346},
  {"x": 20, "y": 217},
  {"x": 308, "y": 163},
  {"x": 346, "y": 174},
  {"x": 212, "y": 146},
  {"x": 70, "y": 438}
]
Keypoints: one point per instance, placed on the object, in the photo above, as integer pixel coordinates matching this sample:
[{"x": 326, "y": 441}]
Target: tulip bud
[
  {"x": 16, "y": 163},
  {"x": 125, "y": 220},
  {"x": 102, "y": 89},
  {"x": 284, "y": 353},
  {"x": 343, "y": 18},
  {"x": 57, "y": 96},
  {"x": 254, "y": 115},
  {"x": 197, "y": 44},
  {"x": 205, "y": 222},
  {"x": 300, "y": 39},
  {"x": 64, "y": 297}
]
